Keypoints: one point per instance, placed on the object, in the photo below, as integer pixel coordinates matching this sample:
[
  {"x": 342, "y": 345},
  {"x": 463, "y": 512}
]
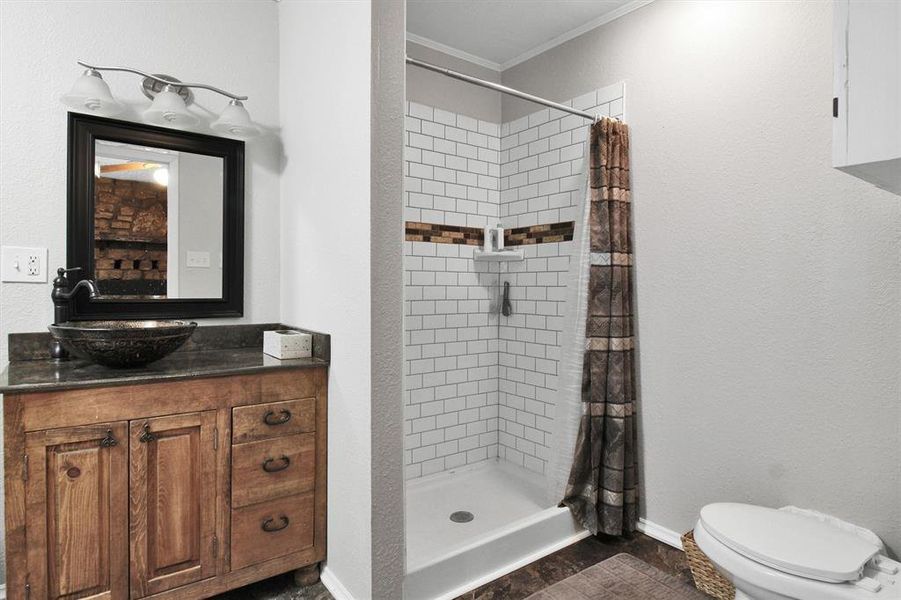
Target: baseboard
[
  {"x": 334, "y": 585},
  {"x": 660, "y": 533},
  {"x": 3, "y": 592}
]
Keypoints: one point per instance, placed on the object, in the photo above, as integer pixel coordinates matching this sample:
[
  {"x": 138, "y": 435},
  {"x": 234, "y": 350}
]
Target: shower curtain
[{"x": 597, "y": 379}]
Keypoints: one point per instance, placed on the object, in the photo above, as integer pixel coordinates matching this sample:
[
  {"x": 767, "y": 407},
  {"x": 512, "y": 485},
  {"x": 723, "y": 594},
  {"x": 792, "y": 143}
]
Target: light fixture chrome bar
[
  {"x": 164, "y": 81},
  {"x": 501, "y": 88}
]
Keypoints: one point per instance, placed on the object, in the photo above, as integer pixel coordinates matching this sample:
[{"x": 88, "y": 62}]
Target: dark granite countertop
[{"x": 211, "y": 358}]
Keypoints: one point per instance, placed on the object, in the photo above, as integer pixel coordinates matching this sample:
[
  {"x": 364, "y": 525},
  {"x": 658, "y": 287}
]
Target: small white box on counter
[{"x": 287, "y": 343}]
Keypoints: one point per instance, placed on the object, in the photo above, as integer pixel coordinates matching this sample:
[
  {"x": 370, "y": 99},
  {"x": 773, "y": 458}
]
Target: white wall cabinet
[{"x": 866, "y": 130}]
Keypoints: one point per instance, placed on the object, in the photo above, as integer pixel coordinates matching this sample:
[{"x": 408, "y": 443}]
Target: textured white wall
[
  {"x": 233, "y": 45},
  {"x": 768, "y": 283},
  {"x": 325, "y": 236},
  {"x": 386, "y": 275}
]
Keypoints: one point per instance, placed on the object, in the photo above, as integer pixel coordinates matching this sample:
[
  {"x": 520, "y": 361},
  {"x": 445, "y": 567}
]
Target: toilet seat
[
  {"x": 879, "y": 579},
  {"x": 788, "y": 542}
]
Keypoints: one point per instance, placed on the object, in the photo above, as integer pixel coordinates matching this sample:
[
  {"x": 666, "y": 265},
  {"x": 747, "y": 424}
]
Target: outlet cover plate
[{"x": 23, "y": 265}]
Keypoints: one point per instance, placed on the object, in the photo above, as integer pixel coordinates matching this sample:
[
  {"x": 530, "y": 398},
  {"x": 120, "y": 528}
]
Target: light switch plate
[
  {"x": 197, "y": 259},
  {"x": 23, "y": 265}
]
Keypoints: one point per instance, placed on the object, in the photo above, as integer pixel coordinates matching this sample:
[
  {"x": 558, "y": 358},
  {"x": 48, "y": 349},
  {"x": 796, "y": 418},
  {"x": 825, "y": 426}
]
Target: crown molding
[
  {"x": 451, "y": 51},
  {"x": 560, "y": 39},
  {"x": 574, "y": 33}
]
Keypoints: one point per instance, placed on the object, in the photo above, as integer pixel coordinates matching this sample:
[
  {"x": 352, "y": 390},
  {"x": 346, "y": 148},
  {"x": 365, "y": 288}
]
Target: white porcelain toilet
[{"x": 771, "y": 554}]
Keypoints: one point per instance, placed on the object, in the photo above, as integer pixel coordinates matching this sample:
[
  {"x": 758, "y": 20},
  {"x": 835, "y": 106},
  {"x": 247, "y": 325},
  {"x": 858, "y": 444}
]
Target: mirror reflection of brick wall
[{"x": 130, "y": 237}]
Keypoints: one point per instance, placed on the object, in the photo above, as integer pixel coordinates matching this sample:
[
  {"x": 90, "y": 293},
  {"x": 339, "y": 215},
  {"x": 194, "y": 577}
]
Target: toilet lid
[{"x": 788, "y": 542}]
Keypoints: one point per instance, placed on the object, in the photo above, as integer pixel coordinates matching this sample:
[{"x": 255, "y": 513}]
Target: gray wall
[
  {"x": 434, "y": 89},
  {"x": 768, "y": 283}
]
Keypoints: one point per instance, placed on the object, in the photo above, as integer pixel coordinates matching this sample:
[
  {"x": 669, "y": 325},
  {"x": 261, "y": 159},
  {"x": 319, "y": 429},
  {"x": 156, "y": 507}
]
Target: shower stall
[{"x": 486, "y": 450}]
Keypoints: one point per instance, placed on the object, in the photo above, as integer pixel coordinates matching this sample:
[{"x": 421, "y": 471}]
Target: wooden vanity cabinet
[
  {"x": 172, "y": 517},
  {"x": 76, "y": 513},
  {"x": 176, "y": 490}
]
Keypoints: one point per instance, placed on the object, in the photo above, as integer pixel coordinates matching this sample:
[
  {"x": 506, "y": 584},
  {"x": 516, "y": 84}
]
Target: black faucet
[{"x": 62, "y": 298}]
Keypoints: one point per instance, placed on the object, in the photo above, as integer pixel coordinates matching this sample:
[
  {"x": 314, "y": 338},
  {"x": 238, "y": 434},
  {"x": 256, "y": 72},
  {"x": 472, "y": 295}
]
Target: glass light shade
[
  {"x": 168, "y": 109},
  {"x": 91, "y": 94},
  {"x": 235, "y": 120}
]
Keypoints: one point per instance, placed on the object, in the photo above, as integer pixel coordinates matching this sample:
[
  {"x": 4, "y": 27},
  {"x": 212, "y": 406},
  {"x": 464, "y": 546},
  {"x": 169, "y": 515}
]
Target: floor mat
[{"x": 622, "y": 577}]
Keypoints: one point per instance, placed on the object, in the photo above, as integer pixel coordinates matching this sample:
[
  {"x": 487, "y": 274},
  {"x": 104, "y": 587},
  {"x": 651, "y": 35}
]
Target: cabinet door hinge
[
  {"x": 215, "y": 546},
  {"x": 25, "y": 467},
  {"x": 215, "y": 438}
]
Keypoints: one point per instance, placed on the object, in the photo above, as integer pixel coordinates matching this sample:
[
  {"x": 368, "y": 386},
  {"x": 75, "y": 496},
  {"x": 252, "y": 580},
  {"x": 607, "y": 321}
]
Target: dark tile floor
[
  {"x": 577, "y": 557},
  {"x": 517, "y": 585},
  {"x": 277, "y": 588}
]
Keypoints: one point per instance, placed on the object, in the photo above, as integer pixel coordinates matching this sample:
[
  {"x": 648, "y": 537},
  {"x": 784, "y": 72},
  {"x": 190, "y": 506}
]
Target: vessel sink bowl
[{"x": 122, "y": 344}]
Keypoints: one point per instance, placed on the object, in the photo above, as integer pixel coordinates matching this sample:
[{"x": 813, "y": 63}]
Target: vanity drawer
[
  {"x": 264, "y": 421},
  {"x": 290, "y": 385},
  {"x": 269, "y": 469},
  {"x": 271, "y": 529}
]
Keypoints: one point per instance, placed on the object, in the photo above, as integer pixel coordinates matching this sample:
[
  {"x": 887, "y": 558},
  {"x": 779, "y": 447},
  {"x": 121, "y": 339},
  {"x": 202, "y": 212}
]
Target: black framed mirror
[{"x": 155, "y": 219}]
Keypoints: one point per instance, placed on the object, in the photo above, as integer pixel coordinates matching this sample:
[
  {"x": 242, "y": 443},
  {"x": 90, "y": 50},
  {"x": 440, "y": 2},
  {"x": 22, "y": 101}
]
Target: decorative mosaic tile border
[
  {"x": 540, "y": 234},
  {"x": 443, "y": 234},
  {"x": 473, "y": 236}
]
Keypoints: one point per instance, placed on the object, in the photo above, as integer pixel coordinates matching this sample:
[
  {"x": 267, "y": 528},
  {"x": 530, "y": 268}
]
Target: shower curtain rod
[{"x": 501, "y": 88}]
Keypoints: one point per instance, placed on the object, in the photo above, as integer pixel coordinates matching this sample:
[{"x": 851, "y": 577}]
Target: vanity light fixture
[
  {"x": 169, "y": 109},
  {"x": 171, "y": 98},
  {"x": 235, "y": 120},
  {"x": 91, "y": 94}
]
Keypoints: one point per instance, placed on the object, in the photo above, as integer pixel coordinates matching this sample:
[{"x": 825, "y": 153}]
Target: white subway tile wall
[
  {"x": 541, "y": 177},
  {"x": 480, "y": 385},
  {"x": 453, "y": 170},
  {"x": 450, "y": 323}
]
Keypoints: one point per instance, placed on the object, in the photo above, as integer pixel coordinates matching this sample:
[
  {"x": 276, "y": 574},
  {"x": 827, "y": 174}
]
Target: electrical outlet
[{"x": 23, "y": 265}]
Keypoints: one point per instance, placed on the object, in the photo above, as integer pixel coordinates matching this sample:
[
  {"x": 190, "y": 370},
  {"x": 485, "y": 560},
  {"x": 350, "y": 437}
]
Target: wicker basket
[{"x": 707, "y": 578}]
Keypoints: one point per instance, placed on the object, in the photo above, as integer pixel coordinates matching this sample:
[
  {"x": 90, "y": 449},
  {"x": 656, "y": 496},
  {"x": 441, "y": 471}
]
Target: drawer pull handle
[
  {"x": 282, "y": 417},
  {"x": 270, "y": 467},
  {"x": 269, "y": 527},
  {"x": 109, "y": 441},
  {"x": 147, "y": 436}
]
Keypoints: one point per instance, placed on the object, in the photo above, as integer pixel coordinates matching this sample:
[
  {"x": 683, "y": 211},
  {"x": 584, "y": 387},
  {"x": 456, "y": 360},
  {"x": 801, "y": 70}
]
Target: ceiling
[{"x": 501, "y": 33}]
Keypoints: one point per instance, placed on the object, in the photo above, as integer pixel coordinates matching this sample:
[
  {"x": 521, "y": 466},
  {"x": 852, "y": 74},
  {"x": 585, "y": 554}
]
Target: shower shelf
[{"x": 499, "y": 256}]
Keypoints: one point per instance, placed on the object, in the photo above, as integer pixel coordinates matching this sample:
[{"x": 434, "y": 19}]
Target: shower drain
[{"x": 461, "y": 516}]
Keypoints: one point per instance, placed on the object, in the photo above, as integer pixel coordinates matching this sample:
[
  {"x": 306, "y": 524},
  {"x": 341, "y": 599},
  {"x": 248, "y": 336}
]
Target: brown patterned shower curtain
[{"x": 602, "y": 491}]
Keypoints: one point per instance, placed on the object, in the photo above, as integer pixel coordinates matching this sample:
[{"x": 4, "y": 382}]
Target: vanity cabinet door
[
  {"x": 173, "y": 501},
  {"x": 77, "y": 512}
]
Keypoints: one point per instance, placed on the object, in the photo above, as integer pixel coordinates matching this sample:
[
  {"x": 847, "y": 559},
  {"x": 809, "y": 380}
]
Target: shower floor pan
[{"x": 511, "y": 527}]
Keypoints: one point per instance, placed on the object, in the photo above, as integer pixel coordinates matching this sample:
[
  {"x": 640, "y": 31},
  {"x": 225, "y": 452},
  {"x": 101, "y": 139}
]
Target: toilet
[{"x": 771, "y": 554}]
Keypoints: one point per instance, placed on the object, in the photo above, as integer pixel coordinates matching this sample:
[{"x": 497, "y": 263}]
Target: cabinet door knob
[
  {"x": 269, "y": 525},
  {"x": 280, "y": 418},
  {"x": 270, "y": 466},
  {"x": 109, "y": 441},
  {"x": 148, "y": 435}
]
